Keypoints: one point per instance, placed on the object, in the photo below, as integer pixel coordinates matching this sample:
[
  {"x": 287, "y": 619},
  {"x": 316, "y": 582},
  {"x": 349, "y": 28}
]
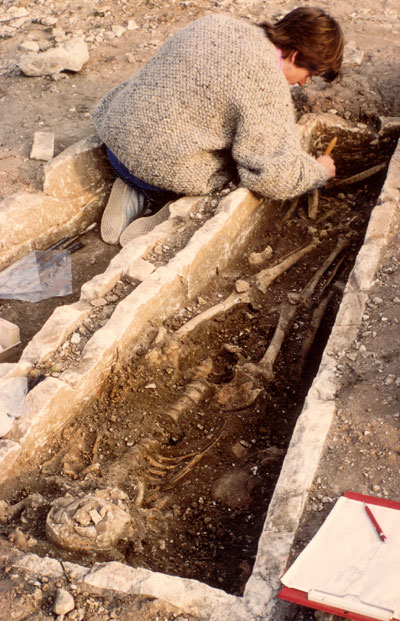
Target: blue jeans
[{"x": 157, "y": 197}]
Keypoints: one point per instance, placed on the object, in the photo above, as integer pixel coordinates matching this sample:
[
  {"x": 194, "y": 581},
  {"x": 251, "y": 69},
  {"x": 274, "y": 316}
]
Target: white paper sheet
[{"x": 347, "y": 559}]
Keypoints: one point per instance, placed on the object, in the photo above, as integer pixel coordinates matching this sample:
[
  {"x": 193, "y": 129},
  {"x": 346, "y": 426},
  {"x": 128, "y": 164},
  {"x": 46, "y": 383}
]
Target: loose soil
[{"x": 193, "y": 523}]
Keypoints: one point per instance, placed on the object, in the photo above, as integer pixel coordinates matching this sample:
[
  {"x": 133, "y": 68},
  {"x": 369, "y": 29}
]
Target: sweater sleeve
[{"x": 266, "y": 146}]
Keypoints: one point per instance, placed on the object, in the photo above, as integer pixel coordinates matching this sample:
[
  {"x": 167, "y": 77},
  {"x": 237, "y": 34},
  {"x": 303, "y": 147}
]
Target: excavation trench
[{"x": 171, "y": 466}]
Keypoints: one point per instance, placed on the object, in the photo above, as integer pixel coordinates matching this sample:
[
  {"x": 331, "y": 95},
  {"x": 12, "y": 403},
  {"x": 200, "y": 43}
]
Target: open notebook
[{"x": 347, "y": 569}]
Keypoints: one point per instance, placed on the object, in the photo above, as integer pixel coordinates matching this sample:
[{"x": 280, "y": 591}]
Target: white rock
[
  {"x": 5, "y": 424},
  {"x": 48, "y": 21},
  {"x": 18, "y": 11},
  {"x": 43, "y": 146},
  {"x": 71, "y": 57},
  {"x": 118, "y": 30},
  {"x": 29, "y": 46},
  {"x": 132, "y": 25},
  {"x": 63, "y": 603},
  {"x": 352, "y": 55},
  {"x": 241, "y": 286},
  {"x": 58, "y": 34},
  {"x": 139, "y": 270},
  {"x": 75, "y": 338}
]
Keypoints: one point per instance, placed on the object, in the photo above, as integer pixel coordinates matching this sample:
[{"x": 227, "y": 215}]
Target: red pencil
[{"x": 375, "y": 523}]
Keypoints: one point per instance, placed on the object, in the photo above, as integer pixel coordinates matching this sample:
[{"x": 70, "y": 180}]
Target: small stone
[
  {"x": 132, "y": 25},
  {"x": 75, "y": 338},
  {"x": 95, "y": 515},
  {"x": 377, "y": 300},
  {"x": 389, "y": 379},
  {"x": 48, "y": 21},
  {"x": 241, "y": 286},
  {"x": 98, "y": 302},
  {"x": 239, "y": 451},
  {"x": 43, "y": 146},
  {"x": 5, "y": 424},
  {"x": 58, "y": 34},
  {"x": 64, "y": 602},
  {"x": 352, "y": 55},
  {"x": 118, "y": 30},
  {"x": 256, "y": 258},
  {"x": 69, "y": 57},
  {"x": 18, "y": 11},
  {"x": 29, "y": 46},
  {"x": 139, "y": 270}
]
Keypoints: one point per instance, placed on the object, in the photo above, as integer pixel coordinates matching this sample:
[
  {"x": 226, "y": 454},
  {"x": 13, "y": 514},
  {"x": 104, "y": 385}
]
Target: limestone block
[
  {"x": 14, "y": 369},
  {"x": 6, "y": 367},
  {"x": 96, "y": 361},
  {"x": 54, "y": 332},
  {"x": 184, "y": 206},
  {"x": 389, "y": 125},
  {"x": 302, "y": 457},
  {"x": 50, "y": 405},
  {"x": 314, "y": 128},
  {"x": 9, "y": 334},
  {"x": 152, "y": 301},
  {"x": 29, "y": 46},
  {"x": 366, "y": 266},
  {"x": 9, "y": 452},
  {"x": 34, "y": 564},
  {"x": 43, "y": 146},
  {"x": 24, "y": 216},
  {"x": 324, "y": 385},
  {"x": 352, "y": 55},
  {"x": 190, "y": 595},
  {"x": 143, "y": 244},
  {"x": 82, "y": 170},
  {"x": 63, "y": 603},
  {"x": 74, "y": 572},
  {"x": 139, "y": 270},
  {"x": 381, "y": 223},
  {"x": 71, "y": 57},
  {"x": 348, "y": 320},
  {"x": 219, "y": 239},
  {"x": 100, "y": 284},
  {"x": 39, "y": 220},
  {"x": 391, "y": 187},
  {"x": 312, "y": 124}
]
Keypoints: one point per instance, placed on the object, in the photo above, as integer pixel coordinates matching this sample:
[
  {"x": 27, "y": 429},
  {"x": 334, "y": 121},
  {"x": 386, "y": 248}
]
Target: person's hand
[{"x": 327, "y": 162}]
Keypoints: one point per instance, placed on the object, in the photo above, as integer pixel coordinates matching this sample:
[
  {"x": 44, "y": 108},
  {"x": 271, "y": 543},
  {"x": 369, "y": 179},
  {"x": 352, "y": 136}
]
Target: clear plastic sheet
[{"x": 37, "y": 276}]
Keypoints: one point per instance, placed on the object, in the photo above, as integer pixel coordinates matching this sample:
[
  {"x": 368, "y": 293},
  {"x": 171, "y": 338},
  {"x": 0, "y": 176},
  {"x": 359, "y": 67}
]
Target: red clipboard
[{"x": 301, "y": 597}]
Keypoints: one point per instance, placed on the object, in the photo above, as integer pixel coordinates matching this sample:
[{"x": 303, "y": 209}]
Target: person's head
[{"x": 309, "y": 39}]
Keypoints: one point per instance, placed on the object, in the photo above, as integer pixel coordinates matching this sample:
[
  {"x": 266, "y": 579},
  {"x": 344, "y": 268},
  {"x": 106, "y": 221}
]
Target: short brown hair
[{"x": 314, "y": 35}]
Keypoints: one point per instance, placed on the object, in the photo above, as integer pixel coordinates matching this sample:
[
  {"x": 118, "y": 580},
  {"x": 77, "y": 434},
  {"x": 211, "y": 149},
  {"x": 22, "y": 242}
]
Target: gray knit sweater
[{"x": 211, "y": 103}]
